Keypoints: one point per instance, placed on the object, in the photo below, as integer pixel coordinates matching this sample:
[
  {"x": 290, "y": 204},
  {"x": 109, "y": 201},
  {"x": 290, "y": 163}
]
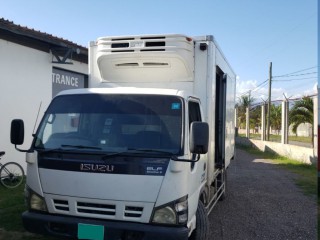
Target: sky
[{"x": 251, "y": 33}]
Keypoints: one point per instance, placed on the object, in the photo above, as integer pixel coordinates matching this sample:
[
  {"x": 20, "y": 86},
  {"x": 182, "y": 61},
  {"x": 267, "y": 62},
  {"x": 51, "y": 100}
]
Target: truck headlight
[
  {"x": 34, "y": 201},
  {"x": 175, "y": 212},
  {"x": 165, "y": 215}
]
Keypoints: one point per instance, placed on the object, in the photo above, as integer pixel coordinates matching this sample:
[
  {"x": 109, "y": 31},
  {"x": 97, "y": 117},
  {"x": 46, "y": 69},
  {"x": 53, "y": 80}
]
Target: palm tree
[
  {"x": 275, "y": 117},
  {"x": 301, "y": 112},
  {"x": 244, "y": 102},
  {"x": 255, "y": 118}
]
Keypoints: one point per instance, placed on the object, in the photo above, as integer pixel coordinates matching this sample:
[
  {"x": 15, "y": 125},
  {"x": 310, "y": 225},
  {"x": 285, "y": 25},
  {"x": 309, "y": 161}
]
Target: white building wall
[
  {"x": 304, "y": 130},
  {"x": 25, "y": 82}
]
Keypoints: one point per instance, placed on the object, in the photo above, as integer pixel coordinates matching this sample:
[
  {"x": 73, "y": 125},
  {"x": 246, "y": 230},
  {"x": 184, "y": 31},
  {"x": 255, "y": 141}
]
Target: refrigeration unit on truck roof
[{"x": 160, "y": 58}]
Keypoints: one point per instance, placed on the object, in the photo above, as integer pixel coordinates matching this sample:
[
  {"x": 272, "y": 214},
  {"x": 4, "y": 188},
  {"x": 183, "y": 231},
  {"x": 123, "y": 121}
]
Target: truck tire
[{"x": 202, "y": 224}]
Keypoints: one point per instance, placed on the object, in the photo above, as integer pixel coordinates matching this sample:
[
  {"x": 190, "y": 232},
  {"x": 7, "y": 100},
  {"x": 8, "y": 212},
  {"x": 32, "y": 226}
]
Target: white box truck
[{"x": 143, "y": 152}]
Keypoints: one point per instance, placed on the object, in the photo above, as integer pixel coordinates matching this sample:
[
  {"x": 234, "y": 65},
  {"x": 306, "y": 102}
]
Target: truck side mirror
[
  {"x": 199, "y": 137},
  {"x": 17, "y": 132}
]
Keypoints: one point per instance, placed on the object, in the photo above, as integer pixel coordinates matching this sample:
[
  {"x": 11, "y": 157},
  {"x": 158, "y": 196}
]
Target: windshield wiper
[
  {"x": 137, "y": 151},
  {"x": 63, "y": 148},
  {"x": 46, "y": 150},
  {"x": 147, "y": 150},
  {"x": 112, "y": 154},
  {"x": 81, "y": 147}
]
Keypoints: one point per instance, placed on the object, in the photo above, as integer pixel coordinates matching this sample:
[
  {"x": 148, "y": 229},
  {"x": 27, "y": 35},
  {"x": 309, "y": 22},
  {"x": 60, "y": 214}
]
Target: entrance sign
[{"x": 63, "y": 80}]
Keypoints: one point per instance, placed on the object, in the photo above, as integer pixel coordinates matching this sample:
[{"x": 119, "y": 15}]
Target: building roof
[{"x": 42, "y": 41}]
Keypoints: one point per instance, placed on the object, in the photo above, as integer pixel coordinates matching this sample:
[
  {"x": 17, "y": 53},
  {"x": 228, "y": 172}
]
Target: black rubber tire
[
  {"x": 202, "y": 224},
  {"x": 11, "y": 175}
]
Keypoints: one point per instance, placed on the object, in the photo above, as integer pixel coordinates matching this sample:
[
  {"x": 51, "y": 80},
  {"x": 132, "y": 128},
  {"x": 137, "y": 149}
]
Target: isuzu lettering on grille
[{"x": 96, "y": 167}]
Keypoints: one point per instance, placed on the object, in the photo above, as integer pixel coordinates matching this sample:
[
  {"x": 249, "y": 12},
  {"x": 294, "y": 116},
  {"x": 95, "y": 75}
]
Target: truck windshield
[{"x": 112, "y": 123}]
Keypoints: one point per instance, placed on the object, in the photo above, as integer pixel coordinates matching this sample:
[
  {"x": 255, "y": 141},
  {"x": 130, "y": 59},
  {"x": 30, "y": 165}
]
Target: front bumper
[{"x": 67, "y": 227}]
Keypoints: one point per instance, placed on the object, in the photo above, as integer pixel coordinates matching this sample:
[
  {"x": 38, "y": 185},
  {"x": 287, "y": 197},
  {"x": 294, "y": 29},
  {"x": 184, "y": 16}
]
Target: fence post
[
  {"x": 263, "y": 122},
  {"x": 284, "y": 122},
  {"x": 236, "y": 117},
  {"x": 315, "y": 125},
  {"x": 236, "y": 122},
  {"x": 247, "y": 123}
]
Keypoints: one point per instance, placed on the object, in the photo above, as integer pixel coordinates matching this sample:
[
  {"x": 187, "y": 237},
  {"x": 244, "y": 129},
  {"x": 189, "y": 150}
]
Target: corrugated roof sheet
[{"x": 37, "y": 39}]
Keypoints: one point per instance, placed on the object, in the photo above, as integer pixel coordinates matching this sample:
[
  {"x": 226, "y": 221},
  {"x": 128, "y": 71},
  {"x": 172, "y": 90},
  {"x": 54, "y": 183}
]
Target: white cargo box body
[{"x": 170, "y": 61}]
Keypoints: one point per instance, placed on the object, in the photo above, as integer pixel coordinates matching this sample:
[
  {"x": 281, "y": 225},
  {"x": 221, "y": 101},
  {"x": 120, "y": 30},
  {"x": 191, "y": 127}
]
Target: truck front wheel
[{"x": 202, "y": 224}]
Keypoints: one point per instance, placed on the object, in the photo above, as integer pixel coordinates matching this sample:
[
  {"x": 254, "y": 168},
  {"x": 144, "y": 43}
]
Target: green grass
[
  {"x": 11, "y": 207},
  {"x": 300, "y": 139},
  {"x": 273, "y": 138},
  {"x": 306, "y": 174},
  {"x": 307, "y": 179},
  {"x": 277, "y": 138}
]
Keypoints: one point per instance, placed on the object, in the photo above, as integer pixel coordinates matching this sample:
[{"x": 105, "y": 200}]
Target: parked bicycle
[{"x": 11, "y": 174}]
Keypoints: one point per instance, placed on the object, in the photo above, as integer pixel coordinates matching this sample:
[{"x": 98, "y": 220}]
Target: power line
[
  {"x": 295, "y": 75},
  {"x": 257, "y": 91},
  {"x": 297, "y": 79},
  {"x": 260, "y": 85},
  {"x": 284, "y": 75},
  {"x": 252, "y": 90}
]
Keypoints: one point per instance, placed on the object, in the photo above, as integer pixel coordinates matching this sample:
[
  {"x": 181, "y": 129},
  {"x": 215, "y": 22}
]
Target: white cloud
[
  {"x": 245, "y": 86},
  {"x": 258, "y": 93},
  {"x": 298, "y": 93}
]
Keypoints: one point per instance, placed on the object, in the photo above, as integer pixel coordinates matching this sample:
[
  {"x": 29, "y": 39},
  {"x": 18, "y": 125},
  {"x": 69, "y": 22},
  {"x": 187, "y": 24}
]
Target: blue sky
[{"x": 251, "y": 33}]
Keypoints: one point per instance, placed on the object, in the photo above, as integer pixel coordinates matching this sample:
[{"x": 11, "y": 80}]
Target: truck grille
[
  {"x": 134, "y": 212},
  {"x": 94, "y": 208},
  {"x": 61, "y": 205},
  {"x": 102, "y": 209}
]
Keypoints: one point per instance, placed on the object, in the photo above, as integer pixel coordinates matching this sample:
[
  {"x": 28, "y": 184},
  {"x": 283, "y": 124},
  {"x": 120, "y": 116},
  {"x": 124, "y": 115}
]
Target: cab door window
[{"x": 194, "y": 112}]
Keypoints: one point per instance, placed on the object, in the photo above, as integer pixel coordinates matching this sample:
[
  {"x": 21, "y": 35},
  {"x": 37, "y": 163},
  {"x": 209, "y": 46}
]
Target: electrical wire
[
  {"x": 292, "y": 74},
  {"x": 289, "y": 80},
  {"x": 257, "y": 87},
  {"x": 284, "y": 75},
  {"x": 295, "y": 75}
]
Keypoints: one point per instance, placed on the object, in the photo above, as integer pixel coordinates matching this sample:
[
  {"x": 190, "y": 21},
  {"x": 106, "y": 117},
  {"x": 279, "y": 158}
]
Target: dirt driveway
[{"x": 262, "y": 203}]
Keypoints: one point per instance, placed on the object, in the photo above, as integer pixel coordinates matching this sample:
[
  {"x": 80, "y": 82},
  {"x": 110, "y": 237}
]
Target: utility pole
[{"x": 269, "y": 102}]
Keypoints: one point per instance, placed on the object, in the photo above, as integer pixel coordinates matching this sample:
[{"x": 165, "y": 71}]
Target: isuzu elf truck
[{"x": 143, "y": 152}]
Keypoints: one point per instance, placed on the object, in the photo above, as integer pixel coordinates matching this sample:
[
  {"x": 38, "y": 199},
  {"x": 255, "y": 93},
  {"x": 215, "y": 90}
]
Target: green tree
[
  {"x": 275, "y": 117},
  {"x": 255, "y": 118},
  {"x": 301, "y": 112},
  {"x": 244, "y": 102}
]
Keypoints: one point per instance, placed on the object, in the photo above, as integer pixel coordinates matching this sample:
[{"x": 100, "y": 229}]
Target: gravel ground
[{"x": 262, "y": 203}]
